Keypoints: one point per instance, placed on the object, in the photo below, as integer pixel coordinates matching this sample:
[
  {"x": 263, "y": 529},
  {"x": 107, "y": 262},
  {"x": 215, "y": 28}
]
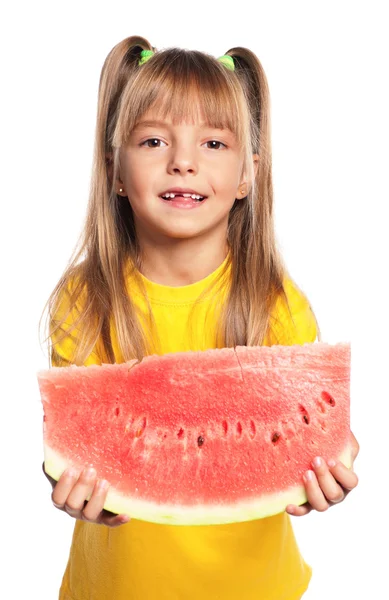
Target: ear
[
  {"x": 244, "y": 186},
  {"x": 118, "y": 183}
]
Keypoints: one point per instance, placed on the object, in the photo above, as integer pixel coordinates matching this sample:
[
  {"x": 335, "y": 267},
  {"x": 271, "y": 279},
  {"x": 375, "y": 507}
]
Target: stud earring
[{"x": 120, "y": 190}]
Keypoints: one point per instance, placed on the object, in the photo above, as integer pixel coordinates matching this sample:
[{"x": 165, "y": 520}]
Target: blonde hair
[{"x": 94, "y": 281}]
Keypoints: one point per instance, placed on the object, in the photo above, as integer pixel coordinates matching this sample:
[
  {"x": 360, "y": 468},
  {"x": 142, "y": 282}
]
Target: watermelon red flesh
[{"x": 201, "y": 437}]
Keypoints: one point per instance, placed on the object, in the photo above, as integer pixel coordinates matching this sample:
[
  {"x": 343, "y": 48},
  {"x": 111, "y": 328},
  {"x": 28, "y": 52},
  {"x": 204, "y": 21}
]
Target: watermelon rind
[{"x": 201, "y": 514}]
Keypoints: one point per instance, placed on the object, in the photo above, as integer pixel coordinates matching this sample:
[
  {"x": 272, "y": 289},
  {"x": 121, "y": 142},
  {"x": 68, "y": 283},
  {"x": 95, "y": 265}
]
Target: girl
[{"x": 179, "y": 253}]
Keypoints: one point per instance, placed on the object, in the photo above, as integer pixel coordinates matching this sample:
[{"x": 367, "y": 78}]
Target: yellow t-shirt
[{"x": 145, "y": 561}]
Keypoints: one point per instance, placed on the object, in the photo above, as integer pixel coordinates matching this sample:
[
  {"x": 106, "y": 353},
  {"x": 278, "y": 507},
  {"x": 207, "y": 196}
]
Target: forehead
[
  {"x": 184, "y": 92},
  {"x": 188, "y": 105}
]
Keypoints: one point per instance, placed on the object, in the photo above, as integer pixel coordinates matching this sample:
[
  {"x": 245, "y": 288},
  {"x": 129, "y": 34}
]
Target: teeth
[{"x": 173, "y": 195}]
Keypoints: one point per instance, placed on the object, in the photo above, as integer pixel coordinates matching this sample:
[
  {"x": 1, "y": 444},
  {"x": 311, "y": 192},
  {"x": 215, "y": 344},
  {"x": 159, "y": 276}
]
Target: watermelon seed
[
  {"x": 304, "y": 411},
  {"x": 117, "y": 411},
  {"x": 225, "y": 427},
  {"x": 252, "y": 430},
  {"x": 200, "y": 441},
  {"x": 276, "y": 437},
  {"x": 180, "y": 434},
  {"x": 328, "y": 398},
  {"x": 239, "y": 429}
]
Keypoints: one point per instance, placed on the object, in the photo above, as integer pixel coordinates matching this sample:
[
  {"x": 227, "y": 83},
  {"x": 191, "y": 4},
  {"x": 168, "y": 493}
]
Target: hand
[
  {"x": 329, "y": 484},
  {"x": 70, "y": 495}
]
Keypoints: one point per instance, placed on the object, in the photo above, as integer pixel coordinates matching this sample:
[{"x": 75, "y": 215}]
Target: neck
[{"x": 181, "y": 262}]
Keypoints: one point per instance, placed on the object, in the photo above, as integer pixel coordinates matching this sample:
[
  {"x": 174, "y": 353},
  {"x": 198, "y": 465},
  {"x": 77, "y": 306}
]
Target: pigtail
[
  {"x": 118, "y": 68},
  {"x": 94, "y": 274},
  {"x": 257, "y": 267},
  {"x": 254, "y": 83}
]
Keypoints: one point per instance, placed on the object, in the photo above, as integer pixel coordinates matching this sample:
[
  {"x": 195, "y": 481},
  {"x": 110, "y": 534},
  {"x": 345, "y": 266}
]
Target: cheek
[
  {"x": 229, "y": 175},
  {"x": 135, "y": 176},
  {"x": 228, "y": 184}
]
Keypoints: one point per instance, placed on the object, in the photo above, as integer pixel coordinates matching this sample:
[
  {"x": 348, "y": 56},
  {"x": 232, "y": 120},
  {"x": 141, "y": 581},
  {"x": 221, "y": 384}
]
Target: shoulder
[
  {"x": 292, "y": 320},
  {"x": 66, "y": 315}
]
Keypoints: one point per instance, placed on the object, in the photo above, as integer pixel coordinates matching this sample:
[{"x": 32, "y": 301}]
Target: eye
[
  {"x": 152, "y": 145},
  {"x": 215, "y": 142}
]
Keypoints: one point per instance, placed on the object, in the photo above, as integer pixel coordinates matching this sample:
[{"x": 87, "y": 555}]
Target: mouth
[{"x": 179, "y": 194}]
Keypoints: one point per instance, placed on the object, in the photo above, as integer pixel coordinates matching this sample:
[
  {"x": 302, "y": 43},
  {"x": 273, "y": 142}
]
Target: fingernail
[
  {"x": 103, "y": 484},
  {"x": 331, "y": 462},
  {"x": 308, "y": 476},
  {"x": 89, "y": 472},
  {"x": 317, "y": 462},
  {"x": 71, "y": 472}
]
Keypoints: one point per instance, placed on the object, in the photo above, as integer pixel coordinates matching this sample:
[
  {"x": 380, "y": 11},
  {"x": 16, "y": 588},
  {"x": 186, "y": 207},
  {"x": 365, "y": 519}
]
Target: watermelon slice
[{"x": 208, "y": 437}]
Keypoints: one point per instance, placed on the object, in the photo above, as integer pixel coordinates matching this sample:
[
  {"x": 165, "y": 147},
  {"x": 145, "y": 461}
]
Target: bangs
[{"x": 187, "y": 86}]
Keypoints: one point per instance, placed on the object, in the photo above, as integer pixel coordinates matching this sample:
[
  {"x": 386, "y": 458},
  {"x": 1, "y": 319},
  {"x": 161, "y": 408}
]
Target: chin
[
  {"x": 182, "y": 230},
  {"x": 183, "y": 234}
]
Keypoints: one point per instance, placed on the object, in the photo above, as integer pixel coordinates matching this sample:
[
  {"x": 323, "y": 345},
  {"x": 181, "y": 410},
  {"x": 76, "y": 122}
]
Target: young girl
[{"x": 178, "y": 254}]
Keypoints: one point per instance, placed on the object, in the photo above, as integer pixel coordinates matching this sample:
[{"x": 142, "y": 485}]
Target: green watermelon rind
[{"x": 258, "y": 508}]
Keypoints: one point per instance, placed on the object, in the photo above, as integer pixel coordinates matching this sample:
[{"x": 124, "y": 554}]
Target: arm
[
  {"x": 79, "y": 494},
  {"x": 329, "y": 481}
]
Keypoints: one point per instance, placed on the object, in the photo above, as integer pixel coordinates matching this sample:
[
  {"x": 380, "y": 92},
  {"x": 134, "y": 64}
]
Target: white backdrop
[{"x": 328, "y": 78}]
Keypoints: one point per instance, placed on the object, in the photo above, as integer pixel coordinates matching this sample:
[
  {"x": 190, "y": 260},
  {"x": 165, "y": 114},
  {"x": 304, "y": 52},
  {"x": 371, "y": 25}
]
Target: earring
[{"x": 120, "y": 190}]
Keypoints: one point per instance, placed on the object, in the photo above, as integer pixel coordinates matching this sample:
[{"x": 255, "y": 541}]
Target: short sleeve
[{"x": 292, "y": 320}]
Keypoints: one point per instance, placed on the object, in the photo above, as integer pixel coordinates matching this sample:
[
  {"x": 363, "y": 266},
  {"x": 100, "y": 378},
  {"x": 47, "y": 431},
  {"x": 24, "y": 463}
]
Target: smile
[{"x": 172, "y": 195}]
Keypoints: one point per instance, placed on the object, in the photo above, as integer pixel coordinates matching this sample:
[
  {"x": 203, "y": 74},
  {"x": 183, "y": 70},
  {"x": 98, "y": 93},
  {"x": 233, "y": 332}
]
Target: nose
[{"x": 183, "y": 159}]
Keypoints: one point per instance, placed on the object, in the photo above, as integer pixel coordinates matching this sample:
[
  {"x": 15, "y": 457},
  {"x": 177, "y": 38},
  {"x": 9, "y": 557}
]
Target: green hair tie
[
  {"x": 145, "y": 55},
  {"x": 227, "y": 61}
]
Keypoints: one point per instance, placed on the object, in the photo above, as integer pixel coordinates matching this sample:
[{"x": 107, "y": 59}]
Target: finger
[
  {"x": 314, "y": 493},
  {"x": 329, "y": 486},
  {"x": 298, "y": 511},
  {"x": 95, "y": 505},
  {"x": 63, "y": 487},
  {"x": 94, "y": 511},
  {"x": 94, "y": 508},
  {"x": 344, "y": 476},
  {"x": 114, "y": 520},
  {"x": 81, "y": 491}
]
